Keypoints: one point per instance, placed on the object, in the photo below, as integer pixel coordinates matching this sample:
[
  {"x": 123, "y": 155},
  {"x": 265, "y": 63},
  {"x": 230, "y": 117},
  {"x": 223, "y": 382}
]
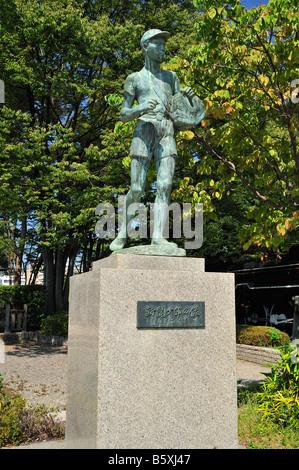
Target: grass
[{"x": 258, "y": 433}]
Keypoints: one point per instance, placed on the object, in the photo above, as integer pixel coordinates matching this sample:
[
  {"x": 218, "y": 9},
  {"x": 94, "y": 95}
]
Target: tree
[
  {"x": 243, "y": 67},
  {"x": 60, "y": 154}
]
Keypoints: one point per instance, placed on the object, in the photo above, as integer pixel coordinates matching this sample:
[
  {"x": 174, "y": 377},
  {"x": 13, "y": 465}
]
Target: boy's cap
[{"x": 154, "y": 33}]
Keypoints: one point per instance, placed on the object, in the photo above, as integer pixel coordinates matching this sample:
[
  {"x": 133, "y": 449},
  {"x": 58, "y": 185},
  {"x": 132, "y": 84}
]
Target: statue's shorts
[{"x": 154, "y": 138}]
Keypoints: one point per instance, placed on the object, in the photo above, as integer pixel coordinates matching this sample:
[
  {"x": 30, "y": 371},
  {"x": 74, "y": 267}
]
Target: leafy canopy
[{"x": 242, "y": 66}]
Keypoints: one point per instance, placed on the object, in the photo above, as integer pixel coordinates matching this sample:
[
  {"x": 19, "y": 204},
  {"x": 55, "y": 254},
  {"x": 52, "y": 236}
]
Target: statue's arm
[{"x": 128, "y": 113}]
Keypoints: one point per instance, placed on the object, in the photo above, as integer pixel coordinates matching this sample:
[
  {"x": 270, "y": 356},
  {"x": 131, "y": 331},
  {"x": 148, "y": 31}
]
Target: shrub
[
  {"x": 269, "y": 411},
  {"x": 279, "y": 398},
  {"x": 265, "y": 336},
  {"x": 32, "y": 295},
  {"x": 19, "y": 424},
  {"x": 10, "y": 411},
  {"x": 1, "y": 389},
  {"x": 55, "y": 324}
]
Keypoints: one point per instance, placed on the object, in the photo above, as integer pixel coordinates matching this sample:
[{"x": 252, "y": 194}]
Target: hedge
[
  {"x": 264, "y": 336},
  {"x": 55, "y": 324},
  {"x": 32, "y": 295}
]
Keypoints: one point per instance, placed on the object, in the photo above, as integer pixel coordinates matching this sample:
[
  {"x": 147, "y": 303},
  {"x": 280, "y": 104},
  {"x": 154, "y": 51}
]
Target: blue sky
[{"x": 254, "y": 3}]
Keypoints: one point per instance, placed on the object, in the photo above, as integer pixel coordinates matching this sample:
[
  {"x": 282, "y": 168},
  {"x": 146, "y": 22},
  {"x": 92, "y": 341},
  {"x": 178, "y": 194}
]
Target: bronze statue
[{"x": 163, "y": 107}]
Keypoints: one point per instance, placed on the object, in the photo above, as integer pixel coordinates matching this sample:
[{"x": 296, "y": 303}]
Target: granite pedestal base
[{"x": 131, "y": 388}]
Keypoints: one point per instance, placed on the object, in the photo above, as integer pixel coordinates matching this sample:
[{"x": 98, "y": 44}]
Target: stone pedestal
[{"x": 158, "y": 388}]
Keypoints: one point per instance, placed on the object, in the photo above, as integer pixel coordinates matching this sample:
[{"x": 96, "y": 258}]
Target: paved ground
[
  {"x": 38, "y": 372},
  {"x": 248, "y": 372}
]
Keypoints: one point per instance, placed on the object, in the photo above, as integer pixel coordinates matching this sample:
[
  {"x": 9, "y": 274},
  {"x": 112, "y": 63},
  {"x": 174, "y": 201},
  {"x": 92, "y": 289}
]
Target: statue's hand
[
  {"x": 147, "y": 106},
  {"x": 188, "y": 92}
]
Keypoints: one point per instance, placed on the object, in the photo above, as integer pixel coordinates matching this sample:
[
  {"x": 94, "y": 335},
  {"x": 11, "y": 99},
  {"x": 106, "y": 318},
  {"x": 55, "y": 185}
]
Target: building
[{"x": 265, "y": 295}]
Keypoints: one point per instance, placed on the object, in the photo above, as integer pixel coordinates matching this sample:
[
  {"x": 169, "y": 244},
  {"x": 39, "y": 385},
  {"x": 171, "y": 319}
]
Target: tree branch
[{"x": 233, "y": 168}]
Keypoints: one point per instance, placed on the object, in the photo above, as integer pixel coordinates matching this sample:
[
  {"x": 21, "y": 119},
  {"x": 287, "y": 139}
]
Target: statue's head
[{"x": 153, "y": 44}]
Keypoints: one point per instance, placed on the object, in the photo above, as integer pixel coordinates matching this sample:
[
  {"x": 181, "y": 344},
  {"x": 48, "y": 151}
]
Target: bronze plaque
[{"x": 159, "y": 314}]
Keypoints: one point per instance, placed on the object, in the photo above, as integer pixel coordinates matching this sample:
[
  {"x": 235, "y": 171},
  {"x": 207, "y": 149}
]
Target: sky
[{"x": 253, "y": 3}]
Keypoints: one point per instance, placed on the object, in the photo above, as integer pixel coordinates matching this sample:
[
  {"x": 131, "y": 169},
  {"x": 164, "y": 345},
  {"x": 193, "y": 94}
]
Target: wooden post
[
  {"x": 295, "y": 330},
  {"x": 19, "y": 319},
  {"x": 7, "y": 319},
  {"x": 13, "y": 318}
]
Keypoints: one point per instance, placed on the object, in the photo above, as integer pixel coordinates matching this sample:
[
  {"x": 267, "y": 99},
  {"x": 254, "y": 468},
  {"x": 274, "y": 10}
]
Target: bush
[
  {"x": 55, "y": 324},
  {"x": 269, "y": 411},
  {"x": 264, "y": 336},
  {"x": 32, "y": 295},
  {"x": 279, "y": 396},
  {"x": 19, "y": 424},
  {"x": 10, "y": 411}
]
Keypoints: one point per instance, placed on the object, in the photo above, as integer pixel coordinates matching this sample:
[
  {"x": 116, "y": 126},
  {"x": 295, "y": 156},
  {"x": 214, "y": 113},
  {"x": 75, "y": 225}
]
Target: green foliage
[
  {"x": 10, "y": 430},
  {"x": 19, "y": 424},
  {"x": 279, "y": 398},
  {"x": 257, "y": 433},
  {"x": 246, "y": 394},
  {"x": 1, "y": 388},
  {"x": 264, "y": 336},
  {"x": 269, "y": 411},
  {"x": 32, "y": 295},
  {"x": 61, "y": 153},
  {"x": 55, "y": 324},
  {"x": 242, "y": 66}
]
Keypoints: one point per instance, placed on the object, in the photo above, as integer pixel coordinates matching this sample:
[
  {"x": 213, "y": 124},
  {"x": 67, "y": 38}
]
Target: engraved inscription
[{"x": 170, "y": 314}]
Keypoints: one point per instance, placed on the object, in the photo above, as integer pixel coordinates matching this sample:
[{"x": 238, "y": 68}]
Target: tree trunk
[
  {"x": 49, "y": 274},
  {"x": 36, "y": 267},
  {"x": 60, "y": 262},
  {"x": 17, "y": 275},
  {"x": 19, "y": 250},
  {"x": 70, "y": 272}
]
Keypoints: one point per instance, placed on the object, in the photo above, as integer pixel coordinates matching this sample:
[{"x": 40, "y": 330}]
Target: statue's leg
[
  {"x": 165, "y": 172},
  {"x": 139, "y": 168}
]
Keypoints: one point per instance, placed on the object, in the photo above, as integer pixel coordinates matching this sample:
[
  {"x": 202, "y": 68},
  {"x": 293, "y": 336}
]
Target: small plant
[
  {"x": 275, "y": 336},
  {"x": 11, "y": 408},
  {"x": 19, "y": 424},
  {"x": 279, "y": 398},
  {"x": 269, "y": 411},
  {"x": 246, "y": 394},
  {"x": 37, "y": 424},
  {"x": 1, "y": 384}
]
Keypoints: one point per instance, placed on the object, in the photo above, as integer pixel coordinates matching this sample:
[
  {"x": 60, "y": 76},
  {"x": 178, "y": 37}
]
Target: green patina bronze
[{"x": 163, "y": 108}]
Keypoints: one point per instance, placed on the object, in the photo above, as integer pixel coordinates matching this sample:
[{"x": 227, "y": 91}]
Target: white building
[{"x": 5, "y": 280}]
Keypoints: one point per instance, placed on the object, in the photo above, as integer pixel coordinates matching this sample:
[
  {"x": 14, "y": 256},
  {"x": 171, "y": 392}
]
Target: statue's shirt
[{"x": 144, "y": 85}]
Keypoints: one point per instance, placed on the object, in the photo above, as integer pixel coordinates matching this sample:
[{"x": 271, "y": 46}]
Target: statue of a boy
[{"x": 163, "y": 107}]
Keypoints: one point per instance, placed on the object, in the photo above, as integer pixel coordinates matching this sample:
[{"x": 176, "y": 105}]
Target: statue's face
[{"x": 155, "y": 49}]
